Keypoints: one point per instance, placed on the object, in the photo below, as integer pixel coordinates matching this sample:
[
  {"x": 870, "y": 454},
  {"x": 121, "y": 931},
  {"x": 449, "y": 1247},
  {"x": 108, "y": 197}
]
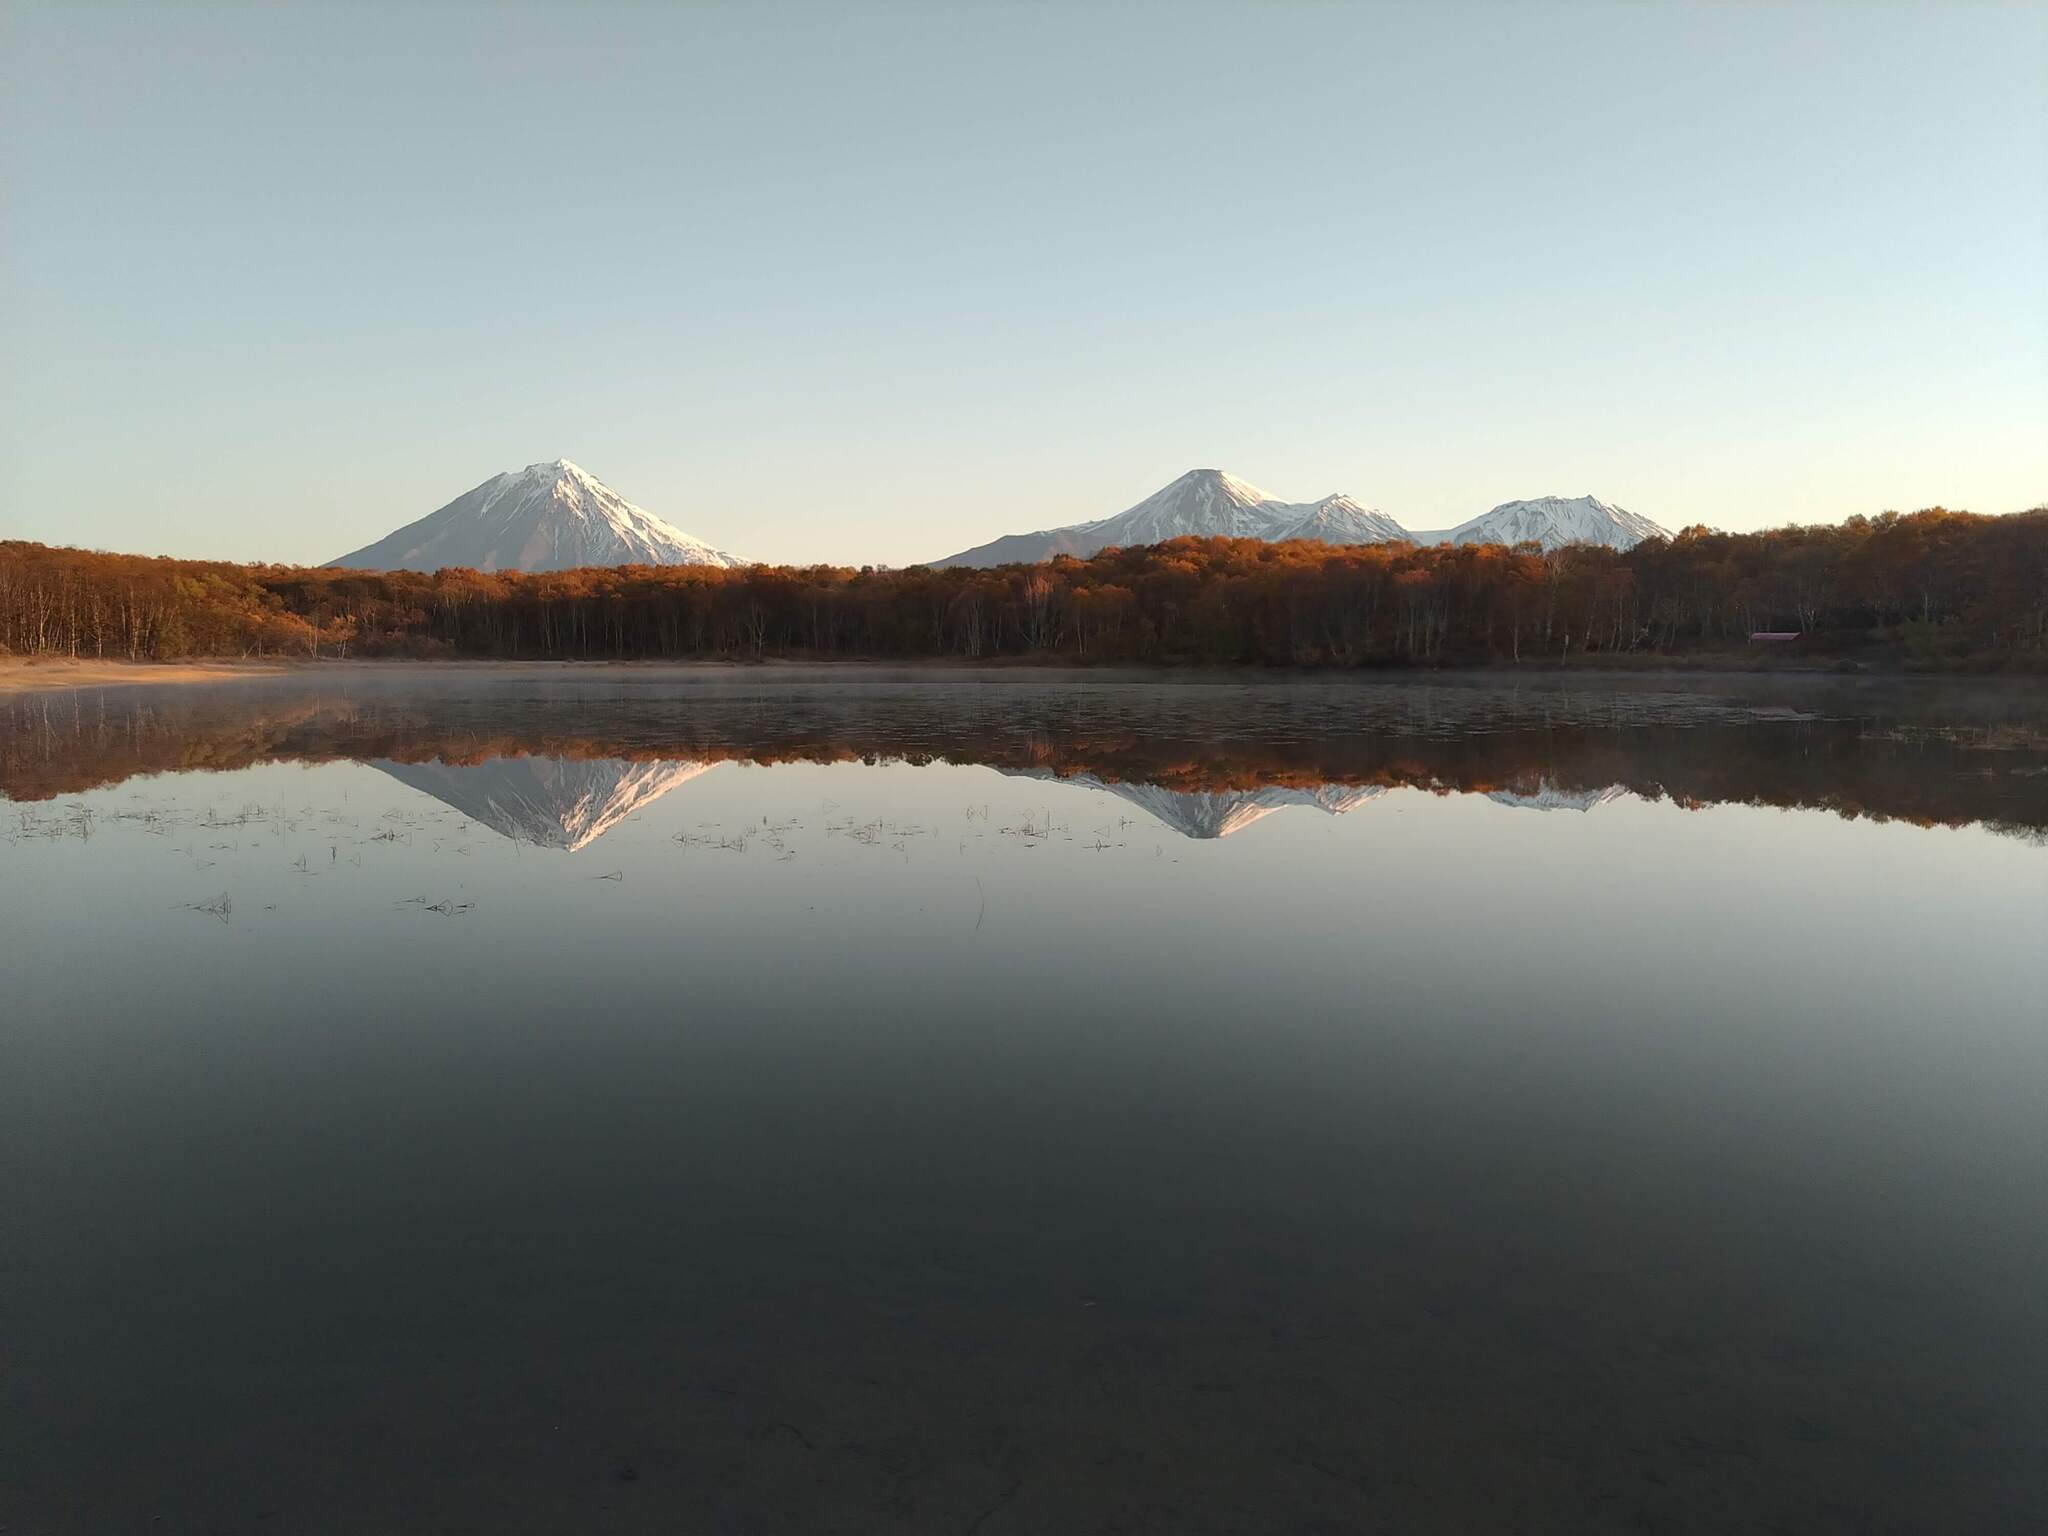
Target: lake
[{"x": 772, "y": 1101}]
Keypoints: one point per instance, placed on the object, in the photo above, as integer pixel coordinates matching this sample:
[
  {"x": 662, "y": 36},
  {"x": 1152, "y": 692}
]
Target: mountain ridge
[
  {"x": 1203, "y": 503},
  {"x": 1213, "y": 503}
]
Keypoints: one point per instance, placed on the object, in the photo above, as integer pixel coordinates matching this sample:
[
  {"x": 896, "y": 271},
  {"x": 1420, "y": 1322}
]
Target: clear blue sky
[{"x": 872, "y": 282}]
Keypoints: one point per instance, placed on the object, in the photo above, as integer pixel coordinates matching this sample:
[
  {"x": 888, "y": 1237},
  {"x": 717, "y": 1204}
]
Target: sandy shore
[{"x": 22, "y": 676}]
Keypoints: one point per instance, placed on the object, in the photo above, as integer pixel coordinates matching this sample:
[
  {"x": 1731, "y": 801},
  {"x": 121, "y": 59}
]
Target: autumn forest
[{"x": 1926, "y": 590}]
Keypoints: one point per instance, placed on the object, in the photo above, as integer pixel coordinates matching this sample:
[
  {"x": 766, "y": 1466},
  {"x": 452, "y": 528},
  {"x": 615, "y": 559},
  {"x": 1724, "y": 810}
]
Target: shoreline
[{"x": 25, "y": 675}]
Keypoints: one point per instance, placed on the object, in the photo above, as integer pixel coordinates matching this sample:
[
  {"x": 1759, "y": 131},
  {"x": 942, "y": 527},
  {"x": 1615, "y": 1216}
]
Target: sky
[{"x": 874, "y": 283}]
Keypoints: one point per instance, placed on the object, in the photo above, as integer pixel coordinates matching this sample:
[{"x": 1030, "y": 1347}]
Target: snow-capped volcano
[
  {"x": 1553, "y": 522},
  {"x": 545, "y": 517},
  {"x": 1205, "y": 503},
  {"x": 550, "y": 802},
  {"x": 1202, "y": 501}
]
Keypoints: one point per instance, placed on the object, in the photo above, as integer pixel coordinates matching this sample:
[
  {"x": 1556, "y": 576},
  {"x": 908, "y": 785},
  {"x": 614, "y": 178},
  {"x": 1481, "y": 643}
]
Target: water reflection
[
  {"x": 556, "y": 763},
  {"x": 919, "y": 1135},
  {"x": 1553, "y": 797},
  {"x": 551, "y": 802},
  {"x": 1202, "y": 813}
]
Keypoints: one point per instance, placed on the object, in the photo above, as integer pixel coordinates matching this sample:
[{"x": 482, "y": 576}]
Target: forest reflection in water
[
  {"x": 625, "y": 1102},
  {"x": 557, "y": 760}
]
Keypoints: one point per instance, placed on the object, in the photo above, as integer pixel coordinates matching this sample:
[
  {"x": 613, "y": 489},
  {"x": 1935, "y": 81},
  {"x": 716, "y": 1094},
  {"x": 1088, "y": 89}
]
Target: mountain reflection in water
[
  {"x": 1202, "y": 813},
  {"x": 557, "y": 761},
  {"x": 1453, "y": 1123},
  {"x": 552, "y": 802},
  {"x": 567, "y": 803}
]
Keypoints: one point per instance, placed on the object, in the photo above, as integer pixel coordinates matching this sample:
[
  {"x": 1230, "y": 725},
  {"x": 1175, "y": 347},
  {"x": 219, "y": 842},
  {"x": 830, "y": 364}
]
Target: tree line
[{"x": 1933, "y": 588}]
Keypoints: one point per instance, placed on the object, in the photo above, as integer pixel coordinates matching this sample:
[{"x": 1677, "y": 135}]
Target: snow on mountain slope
[
  {"x": 551, "y": 802},
  {"x": 1208, "y": 503},
  {"x": 1205, "y": 503},
  {"x": 546, "y": 517},
  {"x": 1340, "y": 520},
  {"x": 1553, "y": 522}
]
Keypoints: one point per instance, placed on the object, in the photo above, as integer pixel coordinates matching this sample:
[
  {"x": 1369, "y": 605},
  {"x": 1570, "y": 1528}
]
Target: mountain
[
  {"x": 1206, "y": 503},
  {"x": 1552, "y": 521},
  {"x": 1340, "y": 520},
  {"x": 546, "y": 517},
  {"x": 1207, "y": 814},
  {"x": 551, "y": 802}
]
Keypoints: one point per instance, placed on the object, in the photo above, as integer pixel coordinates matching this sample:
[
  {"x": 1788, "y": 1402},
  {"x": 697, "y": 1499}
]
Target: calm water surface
[{"x": 615, "y": 1102}]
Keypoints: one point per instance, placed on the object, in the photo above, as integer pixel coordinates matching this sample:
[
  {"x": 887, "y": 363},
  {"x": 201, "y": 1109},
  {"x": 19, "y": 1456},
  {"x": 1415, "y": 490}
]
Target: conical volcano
[{"x": 546, "y": 517}]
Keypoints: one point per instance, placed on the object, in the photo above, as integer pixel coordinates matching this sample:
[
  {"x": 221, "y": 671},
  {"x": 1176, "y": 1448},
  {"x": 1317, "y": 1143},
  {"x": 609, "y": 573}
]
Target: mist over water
[{"x": 1022, "y": 1103}]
